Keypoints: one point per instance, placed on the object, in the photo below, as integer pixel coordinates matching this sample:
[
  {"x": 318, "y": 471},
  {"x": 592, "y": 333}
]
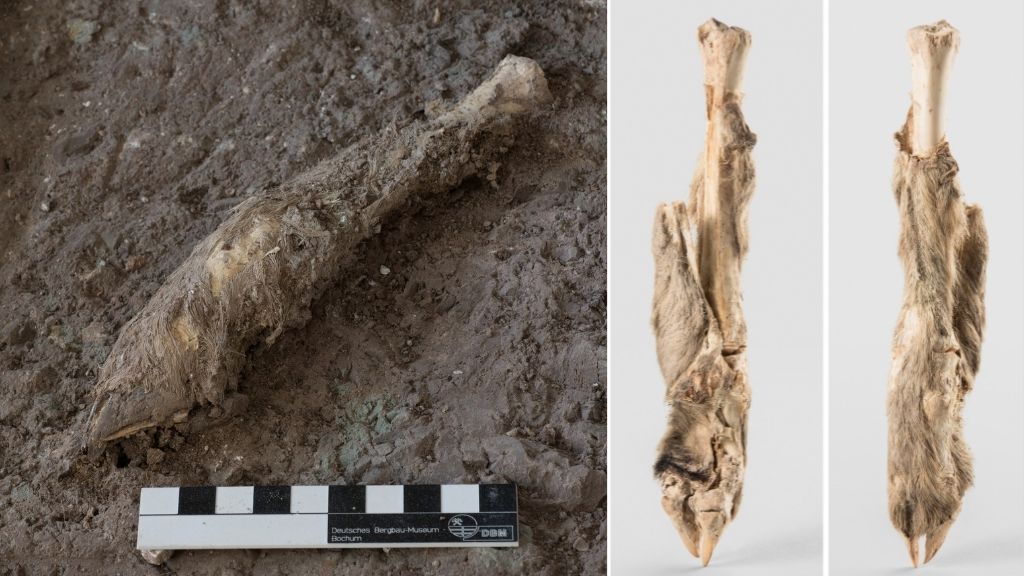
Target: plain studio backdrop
[
  {"x": 657, "y": 126},
  {"x": 870, "y": 87}
]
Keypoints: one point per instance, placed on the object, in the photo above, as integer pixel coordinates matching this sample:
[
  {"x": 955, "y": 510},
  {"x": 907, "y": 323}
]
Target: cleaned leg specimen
[
  {"x": 257, "y": 273},
  {"x": 937, "y": 345},
  {"x": 698, "y": 319}
]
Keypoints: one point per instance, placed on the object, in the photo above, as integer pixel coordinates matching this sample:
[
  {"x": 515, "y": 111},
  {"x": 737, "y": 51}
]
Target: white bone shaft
[{"x": 932, "y": 49}]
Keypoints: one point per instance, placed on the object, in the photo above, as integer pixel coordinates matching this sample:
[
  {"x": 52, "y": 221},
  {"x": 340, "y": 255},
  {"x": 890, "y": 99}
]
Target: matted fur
[
  {"x": 701, "y": 338},
  {"x": 257, "y": 273},
  {"x": 936, "y": 348}
]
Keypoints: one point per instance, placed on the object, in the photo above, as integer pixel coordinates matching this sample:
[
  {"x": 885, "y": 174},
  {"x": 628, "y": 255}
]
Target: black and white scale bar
[{"x": 413, "y": 516}]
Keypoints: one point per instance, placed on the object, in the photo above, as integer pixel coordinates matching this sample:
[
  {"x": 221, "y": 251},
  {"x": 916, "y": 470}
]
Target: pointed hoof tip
[
  {"x": 912, "y": 549},
  {"x": 706, "y": 550}
]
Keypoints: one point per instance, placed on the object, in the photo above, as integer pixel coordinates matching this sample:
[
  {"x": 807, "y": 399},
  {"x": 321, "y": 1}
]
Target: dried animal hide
[
  {"x": 700, "y": 331},
  {"x": 936, "y": 349},
  {"x": 256, "y": 275}
]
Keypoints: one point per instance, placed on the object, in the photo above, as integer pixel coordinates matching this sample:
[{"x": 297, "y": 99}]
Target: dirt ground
[{"x": 128, "y": 130}]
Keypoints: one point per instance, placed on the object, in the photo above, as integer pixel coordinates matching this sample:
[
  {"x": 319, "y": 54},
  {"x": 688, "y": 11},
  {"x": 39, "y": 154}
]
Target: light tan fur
[
  {"x": 697, "y": 316},
  {"x": 943, "y": 247}
]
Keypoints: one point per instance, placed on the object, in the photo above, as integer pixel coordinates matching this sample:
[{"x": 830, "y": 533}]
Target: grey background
[
  {"x": 870, "y": 85},
  {"x": 657, "y": 124}
]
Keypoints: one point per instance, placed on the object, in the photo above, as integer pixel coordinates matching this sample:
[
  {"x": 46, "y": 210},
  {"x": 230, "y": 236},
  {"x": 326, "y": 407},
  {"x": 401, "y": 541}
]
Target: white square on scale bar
[
  {"x": 385, "y": 499},
  {"x": 460, "y": 498},
  {"x": 234, "y": 500},
  {"x": 158, "y": 501},
  {"x": 309, "y": 499}
]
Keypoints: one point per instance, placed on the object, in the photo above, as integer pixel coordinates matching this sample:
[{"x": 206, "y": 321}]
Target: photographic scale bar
[{"x": 413, "y": 516}]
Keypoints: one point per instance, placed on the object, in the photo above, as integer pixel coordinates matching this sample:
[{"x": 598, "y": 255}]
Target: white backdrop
[
  {"x": 870, "y": 85},
  {"x": 656, "y": 132}
]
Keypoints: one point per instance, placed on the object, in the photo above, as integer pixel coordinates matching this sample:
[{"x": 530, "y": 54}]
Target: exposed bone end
[
  {"x": 516, "y": 86},
  {"x": 933, "y": 39},
  {"x": 932, "y": 48},
  {"x": 725, "y": 54}
]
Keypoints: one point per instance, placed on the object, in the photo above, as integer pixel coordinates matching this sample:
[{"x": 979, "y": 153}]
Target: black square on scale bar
[
  {"x": 422, "y": 498},
  {"x": 347, "y": 499},
  {"x": 272, "y": 500},
  {"x": 197, "y": 500},
  {"x": 497, "y": 497}
]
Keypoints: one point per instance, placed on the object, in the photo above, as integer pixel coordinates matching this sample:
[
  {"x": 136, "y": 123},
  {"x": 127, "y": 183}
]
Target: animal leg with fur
[
  {"x": 943, "y": 247},
  {"x": 697, "y": 317},
  {"x": 256, "y": 275}
]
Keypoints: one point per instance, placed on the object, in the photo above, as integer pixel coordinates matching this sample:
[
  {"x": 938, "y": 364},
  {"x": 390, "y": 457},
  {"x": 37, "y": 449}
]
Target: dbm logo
[
  {"x": 494, "y": 533},
  {"x": 463, "y": 526}
]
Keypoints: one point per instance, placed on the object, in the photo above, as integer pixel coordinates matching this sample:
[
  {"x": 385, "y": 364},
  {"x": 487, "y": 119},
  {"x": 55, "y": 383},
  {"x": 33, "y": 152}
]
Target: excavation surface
[{"x": 464, "y": 343}]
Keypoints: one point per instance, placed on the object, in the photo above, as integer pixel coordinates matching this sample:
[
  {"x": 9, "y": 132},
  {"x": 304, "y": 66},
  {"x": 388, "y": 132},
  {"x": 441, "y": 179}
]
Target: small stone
[
  {"x": 134, "y": 262},
  {"x": 44, "y": 206},
  {"x": 231, "y": 473},
  {"x": 154, "y": 456},
  {"x": 581, "y": 545},
  {"x": 457, "y": 372},
  {"x": 156, "y": 557},
  {"x": 384, "y": 270},
  {"x": 565, "y": 253},
  {"x": 81, "y": 31}
]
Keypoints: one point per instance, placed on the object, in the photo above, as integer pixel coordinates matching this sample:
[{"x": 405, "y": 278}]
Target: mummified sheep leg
[
  {"x": 698, "y": 319},
  {"x": 936, "y": 348},
  {"x": 256, "y": 275}
]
